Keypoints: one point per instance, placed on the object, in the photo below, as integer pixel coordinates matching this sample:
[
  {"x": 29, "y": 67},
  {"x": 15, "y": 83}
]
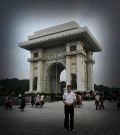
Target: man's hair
[{"x": 68, "y": 86}]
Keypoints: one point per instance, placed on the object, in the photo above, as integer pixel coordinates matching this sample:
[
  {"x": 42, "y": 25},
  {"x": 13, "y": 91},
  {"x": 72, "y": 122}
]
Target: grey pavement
[{"x": 49, "y": 120}]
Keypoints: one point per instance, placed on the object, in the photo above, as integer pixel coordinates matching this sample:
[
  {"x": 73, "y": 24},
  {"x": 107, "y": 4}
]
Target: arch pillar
[
  {"x": 80, "y": 67},
  {"x": 40, "y": 72},
  {"x": 31, "y": 77},
  {"x": 40, "y": 77},
  {"x": 90, "y": 71}
]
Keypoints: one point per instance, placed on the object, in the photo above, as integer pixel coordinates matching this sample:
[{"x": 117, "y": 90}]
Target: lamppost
[{"x": 56, "y": 74}]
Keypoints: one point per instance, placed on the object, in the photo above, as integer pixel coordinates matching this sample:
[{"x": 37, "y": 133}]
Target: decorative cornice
[
  {"x": 71, "y": 31},
  {"x": 67, "y": 56},
  {"x": 75, "y": 53},
  {"x": 91, "y": 61},
  {"x": 54, "y": 59},
  {"x": 44, "y": 59},
  {"x": 35, "y": 59}
]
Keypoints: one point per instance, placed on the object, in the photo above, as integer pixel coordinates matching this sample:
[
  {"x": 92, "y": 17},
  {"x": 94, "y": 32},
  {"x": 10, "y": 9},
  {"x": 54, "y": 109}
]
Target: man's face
[{"x": 68, "y": 89}]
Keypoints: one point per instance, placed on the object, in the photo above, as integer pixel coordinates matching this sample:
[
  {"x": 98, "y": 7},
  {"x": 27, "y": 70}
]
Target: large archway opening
[
  {"x": 63, "y": 81},
  {"x": 54, "y": 72},
  {"x": 63, "y": 76}
]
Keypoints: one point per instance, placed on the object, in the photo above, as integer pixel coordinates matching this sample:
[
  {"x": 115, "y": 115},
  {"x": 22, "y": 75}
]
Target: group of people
[
  {"x": 78, "y": 102},
  {"x": 8, "y": 102},
  {"x": 37, "y": 101},
  {"x": 112, "y": 98},
  {"x": 118, "y": 102},
  {"x": 69, "y": 100},
  {"x": 99, "y": 100}
]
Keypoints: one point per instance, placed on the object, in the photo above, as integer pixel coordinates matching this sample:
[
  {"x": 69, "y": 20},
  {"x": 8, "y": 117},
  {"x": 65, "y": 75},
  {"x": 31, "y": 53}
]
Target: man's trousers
[{"x": 69, "y": 110}]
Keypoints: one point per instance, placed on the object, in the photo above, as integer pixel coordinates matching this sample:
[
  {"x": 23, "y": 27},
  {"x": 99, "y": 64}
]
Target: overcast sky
[{"x": 21, "y": 18}]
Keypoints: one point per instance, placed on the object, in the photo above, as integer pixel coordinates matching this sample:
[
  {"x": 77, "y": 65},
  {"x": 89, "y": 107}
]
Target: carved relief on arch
[{"x": 52, "y": 54}]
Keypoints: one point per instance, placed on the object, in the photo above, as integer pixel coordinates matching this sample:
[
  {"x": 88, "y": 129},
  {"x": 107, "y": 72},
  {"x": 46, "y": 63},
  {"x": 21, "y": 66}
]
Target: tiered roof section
[{"x": 61, "y": 34}]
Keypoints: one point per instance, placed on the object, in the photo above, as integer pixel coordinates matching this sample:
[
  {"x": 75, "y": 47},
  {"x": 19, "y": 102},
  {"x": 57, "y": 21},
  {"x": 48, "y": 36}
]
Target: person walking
[
  {"x": 101, "y": 99},
  {"x": 118, "y": 101},
  {"x": 32, "y": 99},
  {"x": 69, "y": 99},
  {"x": 22, "y": 106},
  {"x": 8, "y": 102},
  {"x": 97, "y": 101},
  {"x": 41, "y": 100},
  {"x": 37, "y": 102}
]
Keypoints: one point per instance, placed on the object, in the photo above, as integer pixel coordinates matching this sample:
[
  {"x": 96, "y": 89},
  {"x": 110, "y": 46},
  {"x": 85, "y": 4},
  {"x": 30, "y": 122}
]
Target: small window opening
[
  {"x": 36, "y": 54},
  {"x": 73, "y": 48}
]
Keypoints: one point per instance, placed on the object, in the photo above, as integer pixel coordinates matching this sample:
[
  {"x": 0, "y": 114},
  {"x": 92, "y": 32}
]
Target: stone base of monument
[{"x": 30, "y": 92}]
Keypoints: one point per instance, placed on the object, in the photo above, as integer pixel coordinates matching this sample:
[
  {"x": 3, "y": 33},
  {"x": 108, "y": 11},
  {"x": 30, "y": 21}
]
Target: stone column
[
  {"x": 80, "y": 68},
  {"x": 90, "y": 72},
  {"x": 31, "y": 77},
  {"x": 40, "y": 73},
  {"x": 83, "y": 73}
]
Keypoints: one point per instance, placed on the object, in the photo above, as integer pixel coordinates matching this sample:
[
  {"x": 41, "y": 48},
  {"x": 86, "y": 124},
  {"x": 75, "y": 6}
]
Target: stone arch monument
[{"x": 66, "y": 46}]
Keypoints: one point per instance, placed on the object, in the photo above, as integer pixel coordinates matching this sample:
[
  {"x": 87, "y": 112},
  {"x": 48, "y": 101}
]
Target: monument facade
[{"x": 66, "y": 46}]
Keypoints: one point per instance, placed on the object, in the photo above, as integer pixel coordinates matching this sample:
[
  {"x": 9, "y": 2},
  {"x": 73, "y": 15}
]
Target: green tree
[{"x": 63, "y": 85}]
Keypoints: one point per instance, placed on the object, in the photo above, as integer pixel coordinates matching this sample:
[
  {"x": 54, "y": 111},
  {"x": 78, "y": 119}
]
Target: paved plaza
[{"x": 49, "y": 120}]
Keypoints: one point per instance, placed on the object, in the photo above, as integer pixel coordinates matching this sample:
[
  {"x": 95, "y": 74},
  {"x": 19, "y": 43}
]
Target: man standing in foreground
[{"x": 69, "y": 99}]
